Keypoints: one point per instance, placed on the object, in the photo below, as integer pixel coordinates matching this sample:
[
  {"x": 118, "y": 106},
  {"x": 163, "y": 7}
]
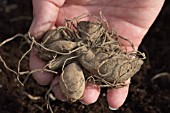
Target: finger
[
  {"x": 91, "y": 94},
  {"x": 45, "y": 15},
  {"x": 56, "y": 89},
  {"x": 116, "y": 97},
  {"x": 42, "y": 78}
]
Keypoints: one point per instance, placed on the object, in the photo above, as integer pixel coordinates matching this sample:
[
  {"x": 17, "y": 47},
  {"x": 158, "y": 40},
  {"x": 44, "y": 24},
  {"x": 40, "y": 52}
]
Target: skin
[{"x": 131, "y": 19}]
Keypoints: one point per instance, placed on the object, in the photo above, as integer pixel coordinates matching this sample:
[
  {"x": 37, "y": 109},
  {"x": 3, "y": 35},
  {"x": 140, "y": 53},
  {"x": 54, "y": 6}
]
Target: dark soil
[{"x": 145, "y": 95}]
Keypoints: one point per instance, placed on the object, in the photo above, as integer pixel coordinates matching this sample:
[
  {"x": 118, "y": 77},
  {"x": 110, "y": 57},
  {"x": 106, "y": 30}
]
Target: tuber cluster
[{"x": 81, "y": 50}]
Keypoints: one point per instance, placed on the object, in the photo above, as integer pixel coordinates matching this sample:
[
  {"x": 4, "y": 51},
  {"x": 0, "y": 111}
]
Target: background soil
[{"x": 145, "y": 95}]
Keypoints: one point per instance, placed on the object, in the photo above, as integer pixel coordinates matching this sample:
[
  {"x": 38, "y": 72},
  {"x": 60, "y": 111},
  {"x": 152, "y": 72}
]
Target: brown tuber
[{"x": 72, "y": 83}]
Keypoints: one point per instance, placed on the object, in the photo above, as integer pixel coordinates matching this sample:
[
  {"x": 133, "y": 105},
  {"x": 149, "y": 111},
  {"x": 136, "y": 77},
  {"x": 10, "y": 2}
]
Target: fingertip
[
  {"x": 116, "y": 97},
  {"x": 56, "y": 89},
  {"x": 41, "y": 77},
  {"x": 91, "y": 94}
]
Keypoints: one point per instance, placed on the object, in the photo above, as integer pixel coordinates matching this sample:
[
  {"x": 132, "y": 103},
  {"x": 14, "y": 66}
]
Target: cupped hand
[{"x": 130, "y": 18}]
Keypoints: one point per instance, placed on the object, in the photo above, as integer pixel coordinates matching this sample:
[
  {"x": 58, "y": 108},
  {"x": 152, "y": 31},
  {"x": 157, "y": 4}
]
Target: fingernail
[
  {"x": 63, "y": 100},
  {"x": 113, "y": 108},
  {"x": 84, "y": 103}
]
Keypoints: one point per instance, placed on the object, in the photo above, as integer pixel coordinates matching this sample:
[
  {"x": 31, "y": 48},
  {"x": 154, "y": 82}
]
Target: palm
[{"x": 129, "y": 19}]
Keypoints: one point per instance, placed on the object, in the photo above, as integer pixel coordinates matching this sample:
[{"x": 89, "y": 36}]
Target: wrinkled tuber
[
  {"x": 88, "y": 47},
  {"x": 72, "y": 83}
]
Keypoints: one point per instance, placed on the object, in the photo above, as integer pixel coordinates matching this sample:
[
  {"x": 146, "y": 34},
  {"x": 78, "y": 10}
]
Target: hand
[{"x": 131, "y": 19}]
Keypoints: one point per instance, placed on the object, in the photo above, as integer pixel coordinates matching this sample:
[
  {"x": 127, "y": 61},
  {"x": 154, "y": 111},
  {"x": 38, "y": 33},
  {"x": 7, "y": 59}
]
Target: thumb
[{"x": 45, "y": 14}]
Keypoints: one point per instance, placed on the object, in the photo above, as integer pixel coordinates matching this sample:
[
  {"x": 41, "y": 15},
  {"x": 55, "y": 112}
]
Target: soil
[{"x": 147, "y": 94}]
